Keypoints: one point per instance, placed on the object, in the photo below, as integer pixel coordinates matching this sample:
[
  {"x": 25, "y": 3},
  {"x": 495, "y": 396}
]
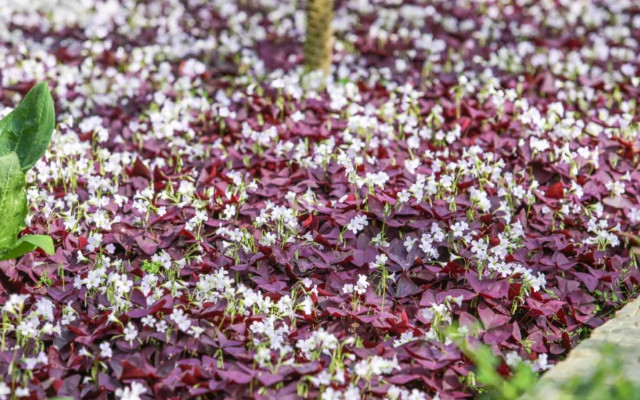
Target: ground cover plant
[{"x": 228, "y": 224}]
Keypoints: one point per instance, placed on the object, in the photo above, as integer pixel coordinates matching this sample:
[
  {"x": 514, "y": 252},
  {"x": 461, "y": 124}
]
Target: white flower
[
  {"x": 331, "y": 394},
  {"x": 132, "y": 392},
  {"x": 362, "y": 285},
  {"x": 357, "y": 223},
  {"x": 94, "y": 241},
  {"x": 130, "y": 332},
  {"x": 229, "y": 212},
  {"x": 459, "y": 228},
  {"x": 541, "y": 363},
  {"x": 395, "y": 393},
  {"x": 347, "y": 288},
  {"x": 44, "y": 308},
  {"x": 290, "y": 196},
  {"x": 404, "y": 196},
  {"x": 381, "y": 261},
  {"x": 414, "y": 143},
  {"x": 512, "y": 359},
  {"x": 196, "y": 331},
  {"x": 539, "y": 145},
  {"x": 322, "y": 379},
  {"x": 181, "y": 319},
  {"x": 319, "y": 340},
  {"x": 406, "y": 337},
  {"x": 437, "y": 232},
  {"x": 374, "y": 179},
  {"x": 297, "y": 116},
  {"x": 374, "y": 366},
  {"x": 149, "y": 320},
  {"x": 426, "y": 245},
  {"x": 105, "y": 350},
  {"x": 4, "y": 391},
  {"x": 418, "y": 395},
  {"x": 262, "y": 356},
  {"x": 69, "y": 315},
  {"x": 634, "y": 215},
  {"x": 352, "y": 393},
  {"x": 94, "y": 279},
  {"x": 161, "y": 326},
  {"x": 617, "y": 188},
  {"x": 268, "y": 238},
  {"x": 15, "y": 303},
  {"x": 409, "y": 242},
  {"x": 306, "y": 305}
]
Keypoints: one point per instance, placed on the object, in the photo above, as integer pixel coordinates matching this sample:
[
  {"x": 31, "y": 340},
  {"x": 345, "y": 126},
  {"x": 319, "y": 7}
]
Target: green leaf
[
  {"x": 13, "y": 200},
  {"x": 27, "y": 129},
  {"x": 29, "y": 243}
]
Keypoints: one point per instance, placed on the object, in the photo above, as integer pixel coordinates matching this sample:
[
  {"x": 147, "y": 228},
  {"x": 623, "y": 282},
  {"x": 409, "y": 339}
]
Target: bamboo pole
[{"x": 318, "y": 46}]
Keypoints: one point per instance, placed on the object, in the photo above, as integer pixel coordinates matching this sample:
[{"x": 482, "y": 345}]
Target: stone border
[{"x": 622, "y": 331}]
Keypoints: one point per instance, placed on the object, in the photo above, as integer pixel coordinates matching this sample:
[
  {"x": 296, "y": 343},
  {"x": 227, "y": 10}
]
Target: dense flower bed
[{"x": 229, "y": 227}]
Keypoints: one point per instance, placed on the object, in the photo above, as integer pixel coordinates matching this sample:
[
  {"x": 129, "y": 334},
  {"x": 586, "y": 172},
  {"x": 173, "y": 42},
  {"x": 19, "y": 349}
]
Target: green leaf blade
[
  {"x": 13, "y": 200},
  {"x": 27, "y": 130},
  {"x": 29, "y": 243}
]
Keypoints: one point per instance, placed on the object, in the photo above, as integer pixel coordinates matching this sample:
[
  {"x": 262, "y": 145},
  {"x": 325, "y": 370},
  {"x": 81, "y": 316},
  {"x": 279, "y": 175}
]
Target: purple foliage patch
[{"x": 228, "y": 225}]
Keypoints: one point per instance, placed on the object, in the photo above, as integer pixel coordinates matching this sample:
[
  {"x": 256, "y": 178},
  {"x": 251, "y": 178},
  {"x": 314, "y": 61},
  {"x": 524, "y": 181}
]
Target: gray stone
[{"x": 623, "y": 331}]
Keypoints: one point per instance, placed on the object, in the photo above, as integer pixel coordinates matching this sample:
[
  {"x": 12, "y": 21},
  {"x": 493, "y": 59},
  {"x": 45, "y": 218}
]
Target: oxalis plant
[{"x": 25, "y": 134}]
